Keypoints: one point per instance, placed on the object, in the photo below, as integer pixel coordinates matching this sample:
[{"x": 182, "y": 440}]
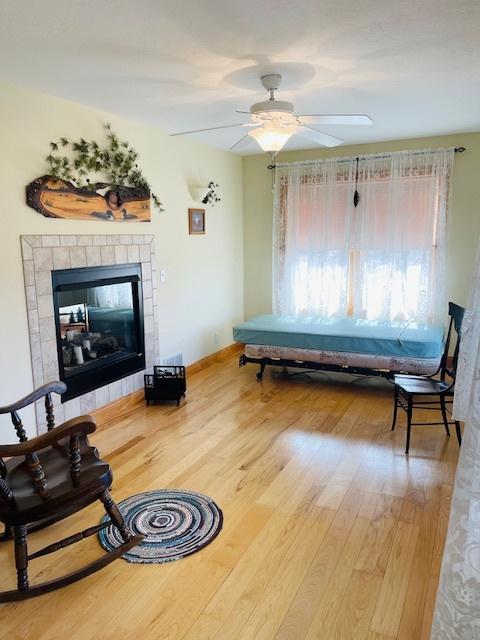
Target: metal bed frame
[{"x": 314, "y": 366}]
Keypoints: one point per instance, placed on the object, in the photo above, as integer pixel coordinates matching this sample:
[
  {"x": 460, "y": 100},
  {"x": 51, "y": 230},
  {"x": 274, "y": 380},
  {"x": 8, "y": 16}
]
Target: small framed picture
[{"x": 196, "y": 222}]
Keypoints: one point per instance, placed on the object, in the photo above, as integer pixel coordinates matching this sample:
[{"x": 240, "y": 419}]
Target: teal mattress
[{"x": 343, "y": 334}]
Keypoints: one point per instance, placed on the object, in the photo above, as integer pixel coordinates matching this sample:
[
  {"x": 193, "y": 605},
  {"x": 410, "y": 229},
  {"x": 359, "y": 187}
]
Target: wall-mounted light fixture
[{"x": 206, "y": 195}]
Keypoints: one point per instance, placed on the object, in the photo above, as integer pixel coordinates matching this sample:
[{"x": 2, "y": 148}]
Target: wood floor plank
[
  {"x": 442, "y": 527},
  {"x": 222, "y": 606},
  {"x": 298, "y": 527},
  {"x": 391, "y": 600},
  {"x": 356, "y": 607},
  {"x": 378, "y": 541},
  {"x": 232, "y": 604},
  {"x": 373, "y": 635},
  {"x": 411, "y": 626},
  {"x": 299, "y": 616},
  {"x": 330, "y": 531},
  {"x": 327, "y": 613},
  {"x": 268, "y": 615}
]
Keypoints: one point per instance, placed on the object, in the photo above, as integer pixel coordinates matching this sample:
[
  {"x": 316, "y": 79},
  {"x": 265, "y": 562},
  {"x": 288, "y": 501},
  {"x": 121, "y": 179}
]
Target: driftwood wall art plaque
[
  {"x": 55, "y": 198},
  {"x": 72, "y": 188}
]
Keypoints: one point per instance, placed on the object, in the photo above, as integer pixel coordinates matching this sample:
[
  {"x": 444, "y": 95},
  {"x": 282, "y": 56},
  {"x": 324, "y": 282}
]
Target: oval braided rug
[{"x": 175, "y": 524}]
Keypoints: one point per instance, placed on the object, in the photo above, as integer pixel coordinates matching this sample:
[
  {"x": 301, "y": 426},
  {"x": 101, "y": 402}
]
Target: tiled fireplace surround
[{"x": 44, "y": 253}]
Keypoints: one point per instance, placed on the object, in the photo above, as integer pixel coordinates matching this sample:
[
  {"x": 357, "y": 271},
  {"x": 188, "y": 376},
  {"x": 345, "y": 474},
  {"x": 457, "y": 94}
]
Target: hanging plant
[
  {"x": 211, "y": 196},
  {"x": 117, "y": 161}
]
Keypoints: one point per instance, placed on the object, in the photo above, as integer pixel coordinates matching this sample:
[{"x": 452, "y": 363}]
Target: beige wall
[
  {"x": 464, "y": 219},
  {"x": 203, "y": 292},
  {"x": 208, "y": 276}
]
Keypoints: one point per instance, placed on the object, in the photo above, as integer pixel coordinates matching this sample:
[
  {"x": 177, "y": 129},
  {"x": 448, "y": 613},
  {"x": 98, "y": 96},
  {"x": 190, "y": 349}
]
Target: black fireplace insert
[{"x": 99, "y": 325}]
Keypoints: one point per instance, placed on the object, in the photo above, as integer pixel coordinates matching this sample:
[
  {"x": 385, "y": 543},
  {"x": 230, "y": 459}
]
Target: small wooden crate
[{"x": 166, "y": 383}]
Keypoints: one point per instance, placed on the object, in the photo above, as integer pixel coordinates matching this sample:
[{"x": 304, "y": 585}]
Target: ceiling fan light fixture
[
  {"x": 275, "y": 121},
  {"x": 272, "y": 136}
]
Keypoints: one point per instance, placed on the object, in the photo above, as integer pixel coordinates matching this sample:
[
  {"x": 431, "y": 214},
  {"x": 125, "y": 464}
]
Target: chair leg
[
  {"x": 395, "y": 407},
  {"x": 409, "y": 423},
  {"x": 444, "y": 414},
  {"x": 114, "y": 512},
  {"x": 459, "y": 432},
  {"x": 21, "y": 559}
]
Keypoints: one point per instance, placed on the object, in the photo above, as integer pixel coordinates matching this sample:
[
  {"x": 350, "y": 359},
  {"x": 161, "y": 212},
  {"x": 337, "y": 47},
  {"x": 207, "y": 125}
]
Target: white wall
[{"x": 203, "y": 292}]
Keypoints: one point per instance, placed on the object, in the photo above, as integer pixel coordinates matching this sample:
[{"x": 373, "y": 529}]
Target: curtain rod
[{"x": 360, "y": 157}]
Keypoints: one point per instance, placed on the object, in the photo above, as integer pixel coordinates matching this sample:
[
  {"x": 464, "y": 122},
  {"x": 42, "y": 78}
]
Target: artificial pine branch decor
[
  {"x": 211, "y": 196},
  {"x": 71, "y": 189}
]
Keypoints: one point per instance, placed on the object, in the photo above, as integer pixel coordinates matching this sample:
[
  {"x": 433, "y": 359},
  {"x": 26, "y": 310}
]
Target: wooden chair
[
  {"x": 47, "y": 479},
  {"x": 411, "y": 392}
]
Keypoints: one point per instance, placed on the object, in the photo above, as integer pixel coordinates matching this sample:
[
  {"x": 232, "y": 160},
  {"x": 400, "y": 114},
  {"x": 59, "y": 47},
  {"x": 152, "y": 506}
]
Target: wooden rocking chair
[{"x": 47, "y": 479}]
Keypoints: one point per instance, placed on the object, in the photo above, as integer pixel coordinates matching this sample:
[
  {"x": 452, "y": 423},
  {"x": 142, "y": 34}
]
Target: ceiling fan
[{"x": 273, "y": 122}]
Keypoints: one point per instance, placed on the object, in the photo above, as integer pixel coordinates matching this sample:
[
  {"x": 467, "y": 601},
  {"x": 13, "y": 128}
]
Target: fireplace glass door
[
  {"x": 99, "y": 325},
  {"x": 97, "y": 322}
]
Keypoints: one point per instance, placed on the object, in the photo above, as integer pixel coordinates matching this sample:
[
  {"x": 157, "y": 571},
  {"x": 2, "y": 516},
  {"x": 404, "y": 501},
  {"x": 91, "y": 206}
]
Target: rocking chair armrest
[
  {"x": 50, "y": 387},
  {"x": 82, "y": 424}
]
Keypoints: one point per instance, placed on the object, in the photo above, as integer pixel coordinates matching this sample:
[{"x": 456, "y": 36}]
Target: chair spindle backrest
[
  {"x": 49, "y": 412},
  {"x": 18, "y": 424},
  {"x": 36, "y": 471},
  {"x": 45, "y": 391},
  {"x": 456, "y": 313}
]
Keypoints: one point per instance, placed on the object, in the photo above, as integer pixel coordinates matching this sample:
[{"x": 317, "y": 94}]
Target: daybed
[{"x": 340, "y": 344}]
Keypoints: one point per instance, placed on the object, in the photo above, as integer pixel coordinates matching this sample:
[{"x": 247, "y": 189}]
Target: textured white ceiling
[{"x": 413, "y": 66}]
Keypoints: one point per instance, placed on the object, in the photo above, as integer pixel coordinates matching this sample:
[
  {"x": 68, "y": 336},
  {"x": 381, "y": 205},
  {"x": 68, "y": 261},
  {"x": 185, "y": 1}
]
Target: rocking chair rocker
[{"x": 47, "y": 479}]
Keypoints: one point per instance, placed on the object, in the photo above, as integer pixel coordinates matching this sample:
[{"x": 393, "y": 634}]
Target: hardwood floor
[{"x": 330, "y": 531}]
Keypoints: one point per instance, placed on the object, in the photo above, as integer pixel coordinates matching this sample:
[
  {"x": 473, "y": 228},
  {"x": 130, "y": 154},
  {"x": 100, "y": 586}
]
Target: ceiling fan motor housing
[
  {"x": 272, "y": 105},
  {"x": 273, "y": 110}
]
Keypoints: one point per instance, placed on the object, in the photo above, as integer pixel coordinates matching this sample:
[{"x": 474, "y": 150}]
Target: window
[{"x": 382, "y": 260}]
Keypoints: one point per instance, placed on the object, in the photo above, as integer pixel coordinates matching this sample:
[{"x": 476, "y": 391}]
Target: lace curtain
[
  {"x": 381, "y": 260},
  {"x": 457, "y": 611},
  {"x": 312, "y": 216}
]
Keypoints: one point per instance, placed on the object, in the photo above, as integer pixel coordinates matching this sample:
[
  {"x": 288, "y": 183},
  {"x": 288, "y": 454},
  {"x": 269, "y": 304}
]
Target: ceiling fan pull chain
[{"x": 271, "y": 167}]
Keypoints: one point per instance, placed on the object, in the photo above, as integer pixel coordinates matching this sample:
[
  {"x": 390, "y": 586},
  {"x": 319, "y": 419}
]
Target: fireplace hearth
[{"x": 99, "y": 325}]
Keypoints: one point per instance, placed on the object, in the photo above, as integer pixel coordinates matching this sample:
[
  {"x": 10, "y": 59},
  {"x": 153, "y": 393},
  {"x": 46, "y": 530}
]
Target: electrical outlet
[{"x": 163, "y": 275}]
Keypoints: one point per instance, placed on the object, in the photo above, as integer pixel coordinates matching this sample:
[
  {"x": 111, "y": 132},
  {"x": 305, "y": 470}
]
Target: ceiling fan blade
[
  {"x": 241, "y": 143},
  {"x": 224, "y": 126},
  {"x": 319, "y": 137},
  {"x": 240, "y": 111},
  {"x": 337, "y": 118}
]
